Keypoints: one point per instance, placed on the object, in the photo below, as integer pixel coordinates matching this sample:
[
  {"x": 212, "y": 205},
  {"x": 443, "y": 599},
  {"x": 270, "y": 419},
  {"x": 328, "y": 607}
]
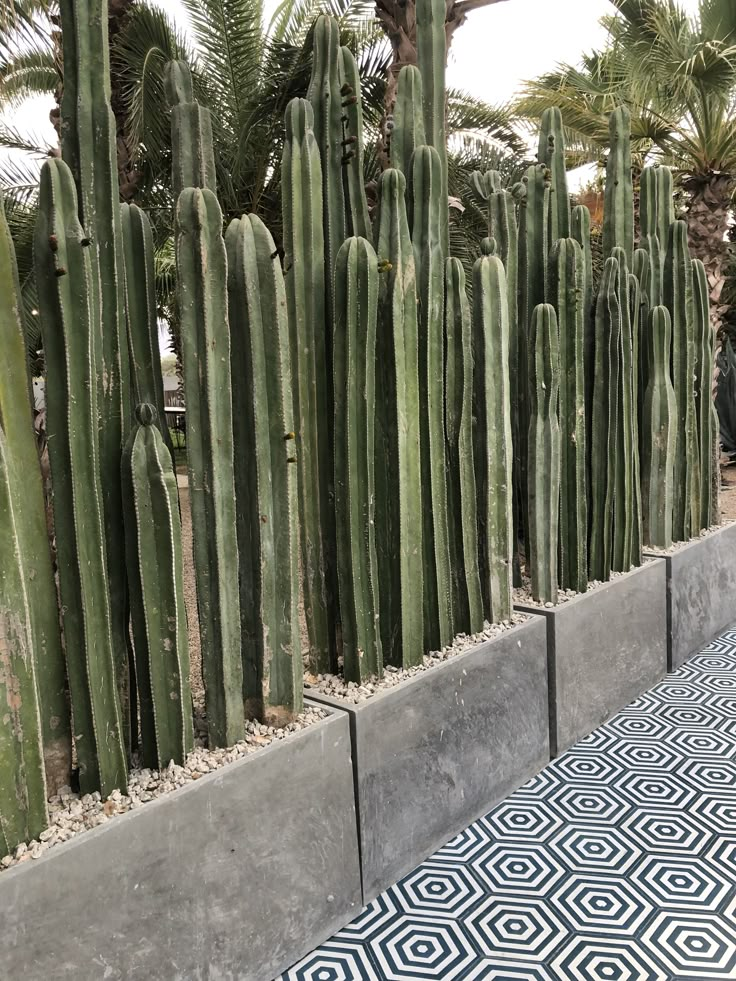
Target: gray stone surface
[
  {"x": 232, "y": 878},
  {"x": 604, "y": 649},
  {"x": 443, "y": 747},
  {"x": 701, "y": 593}
]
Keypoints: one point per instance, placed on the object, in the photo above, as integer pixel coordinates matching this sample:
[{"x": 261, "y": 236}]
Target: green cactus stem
[
  {"x": 192, "y": 152},
  {"x": 358, "y": 221},
  {"x": 618, "y": 212},
  {"x": 356, "y": 313},
  {"x": 659, "y": 425},
  {"x": 64, "y": 272},
  {"x": 265, "y": 474},
  {"x": 703, "y": 335},
  {"x": 625, "y": 513},
  {"x": 202, "y": 300},
  {"x": 156, "y": 578},
  {"x": 580, "y": 231},
  {"x": 407, "y": 130},
  {"x": 552, "y": 155},
  {"x": 544, "y": 453},
  {"x": 29, "y": 508},
  {"x": 398, "y": 457},
  {"x": 432, "y": 61}
]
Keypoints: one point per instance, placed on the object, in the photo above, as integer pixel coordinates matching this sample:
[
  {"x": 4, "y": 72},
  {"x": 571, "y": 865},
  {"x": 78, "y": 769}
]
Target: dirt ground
[{"x": 728, "y": 492}]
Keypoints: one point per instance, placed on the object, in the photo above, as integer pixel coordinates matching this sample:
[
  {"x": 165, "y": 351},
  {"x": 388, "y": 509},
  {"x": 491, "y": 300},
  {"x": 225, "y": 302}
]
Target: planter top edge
[
  {"x": 646, "y": 567},
  {"x": 693, "y": 543}
]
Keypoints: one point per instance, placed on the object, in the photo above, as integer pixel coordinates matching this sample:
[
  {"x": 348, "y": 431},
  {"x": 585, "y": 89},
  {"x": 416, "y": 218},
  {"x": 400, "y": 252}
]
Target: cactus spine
[
  {"x": 544, "y": 453},
  {"x": 398, "y": 456},
  {"x": 552, "y": 154},
  {"x": 265, "y": 474},
  {"x": 202, "y": 300},
  {"x": 407, "y": 132},
  {"x": 356, "y": 312},
  {"x": 358, "y": 220},
  {"x": 432, "y": 61},
  {"x": 618, "y": 220},
  {"x": 156, "y": 580},
  {"x": 71, "y": 344},
  {"x": 462, "y": 505},
  {"x": 30, "y": 516},
  {"x": 493, "y": 420},
  {"x": 659, "y": 425},
  {"x": 192, "y": 153},
  {"x": 426, "y": 201},
  {"x": 703, "y": 385},
  {"x": 304, "y": 265}
]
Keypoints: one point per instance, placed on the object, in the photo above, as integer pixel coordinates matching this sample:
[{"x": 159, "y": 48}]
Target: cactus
[
  {"x": 678, "y": 293},
  {"x": 544, "y": 453},
  {"x": 703, "y": 336},
  {"x": 398, "y": 456},
  {"x": 356, "y": 311},
  {"x": 63, "y": 267},
  {"x": 580, "y": 231},
  {"x": 407, "y": 132},
  {"x": 265, "y": 474},
  {"x": 358, "y": 220},
  {"x": 635, "y": 305},
  {"x": 432, "y": 61},
  {"x": 567, "y": 292},
  {"x": 656, "y": 214},
  {"x": 426, "y": 230},
  {"x": 192, "y": 153},
  {"x": 29, "y": 508},
  {"x": 22, "y": 786},
  {"x": 462, "y": 505},
  {"x": 493, "y": 420},
  {"x": 552, "y": 154},
  {"x": 304, "y": 273},
  {"x": 156, "y": 580},
  {"x": 140, "y": 307},
  {"x": 618, "y": 218},
  {"x": 202, "y": 301},
  {"x": 658, "y": 424}
]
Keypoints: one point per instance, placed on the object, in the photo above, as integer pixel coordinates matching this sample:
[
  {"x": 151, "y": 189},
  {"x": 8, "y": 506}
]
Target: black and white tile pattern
[{"x": 616, "y": 863}]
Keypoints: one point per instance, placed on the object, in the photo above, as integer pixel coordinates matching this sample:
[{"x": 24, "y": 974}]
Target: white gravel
[
  {"x": 676, "y": 546},
  {"x": 523, "y": 594},
  {"x": 70, "y": 814},
  {"x": 335, "y": 685}
]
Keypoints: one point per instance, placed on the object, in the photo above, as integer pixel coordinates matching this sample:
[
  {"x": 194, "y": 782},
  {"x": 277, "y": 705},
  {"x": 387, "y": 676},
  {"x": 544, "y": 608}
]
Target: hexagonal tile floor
[{"x": 616, "y": 863}]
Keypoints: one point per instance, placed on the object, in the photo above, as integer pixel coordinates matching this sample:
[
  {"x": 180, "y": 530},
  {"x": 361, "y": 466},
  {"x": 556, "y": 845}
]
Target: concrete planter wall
[
  {"x": 440, "y": 749},
  {"x": 231, "y": 878},
  {"x": 701, "y": 593},
  {"x": 604, "y": 648}
]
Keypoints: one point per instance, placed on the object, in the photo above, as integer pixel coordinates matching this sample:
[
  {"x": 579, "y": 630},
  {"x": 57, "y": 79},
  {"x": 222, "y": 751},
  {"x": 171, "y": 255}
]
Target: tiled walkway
[{"x": 616, "y": 863}]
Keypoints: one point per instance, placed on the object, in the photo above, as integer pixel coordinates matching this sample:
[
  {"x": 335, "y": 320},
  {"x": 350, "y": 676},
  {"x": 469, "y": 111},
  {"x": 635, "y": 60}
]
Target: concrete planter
[
  {"x": 701, "y": 593},
  {"x": 235, "y": 876},
  {"x": 604, "y": 648},
  {"x": 440, "y": 749}
]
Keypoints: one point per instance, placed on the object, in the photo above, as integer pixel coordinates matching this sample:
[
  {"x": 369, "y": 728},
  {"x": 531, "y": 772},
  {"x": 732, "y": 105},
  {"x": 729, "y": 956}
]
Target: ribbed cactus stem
[
  {"x": 635, "y": 302},
  {"x": 580, "y": 230},
  {"x": 192, "y": 152},
  {"x": 398, "y": 458},
  {"x": 304, "y": 274},
  {"x": 659, "y": 423},
  {"x": 703, "y": 390},
  {"x": 156, "y": 578},
  {"x": 656, "y": 214},
  {"x": 356, "y": 313},
  {"x": 426, "y": 231},
  {"x": 625, "y": 514},
  {"x": 407, "y": 131},
  {"x": 432, "y": 62},
  {"x": 202, "y": 300},
  {"x": 567, "y": 294},
  {"x": 483, "y": 185},
  {"x": 265, "y": 474},
  {"x": 544, "y": 453},
  {"x": 64, "y": 272},
  {"x": 358, "y": 220},
  {"x": 30, "y": 516},
  {"x": 462, "y": 503},
  {"x": 552, "y": 154},
  {"x": 494, "y": 463},
  {"x": 618, "y": 214}
]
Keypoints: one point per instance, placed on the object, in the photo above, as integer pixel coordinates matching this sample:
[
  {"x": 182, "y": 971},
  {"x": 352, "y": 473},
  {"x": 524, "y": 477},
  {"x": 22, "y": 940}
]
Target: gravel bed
[
  {"x": 335, "y": 685},
  {"x": 676, "y": 546},
  {"x": 71, "y": 814},
  {"x": 523, "y": 594}
]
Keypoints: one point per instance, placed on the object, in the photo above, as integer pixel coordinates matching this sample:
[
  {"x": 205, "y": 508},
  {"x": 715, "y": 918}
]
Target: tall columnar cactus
[
  {"x": 265, "y": 474},
  {"x": 140, "y": 307},
  {"x": 398, "y": 457},
  {"x": 484, "y": 184},
  {"x": 580, "y": 231},
  {"x": 656, "y": 214},
  {"x": 462, "y": 503},
  {"x": 356, "y": 312},
  {"x": 29, "y": 508},
  {"x": 604, "y": 422},
  {"x": 618, "y": 217},
  {"x": 202, "y": 300},
  {"x": 304, "y": 273},
  {"x": 544, "y": 453},
  {"x": 659, "y": 426},
  {"x": 156, "y": 579},
  {"x": 192, "y": 153},
  {"x": 89, "y": 147},
  {"x": 494, "y": 471},
  {"x": 567, "y": 293},
  {"x": 432, "y": 61},
  {"x": 704, "y": 410},
  {"x": 22, "y": 786},
  {"x": 71, "y": 344},
  {"x": 426, "y": 231},
  {"x": 643, "y": 271},
  {"x": 358, "y": 220},
  {"x": 635, "y": 311},
  {"x": 552, "y": 154},
  {"x": 678, "y": 294},
  {"x": 407, "y": 132}
]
